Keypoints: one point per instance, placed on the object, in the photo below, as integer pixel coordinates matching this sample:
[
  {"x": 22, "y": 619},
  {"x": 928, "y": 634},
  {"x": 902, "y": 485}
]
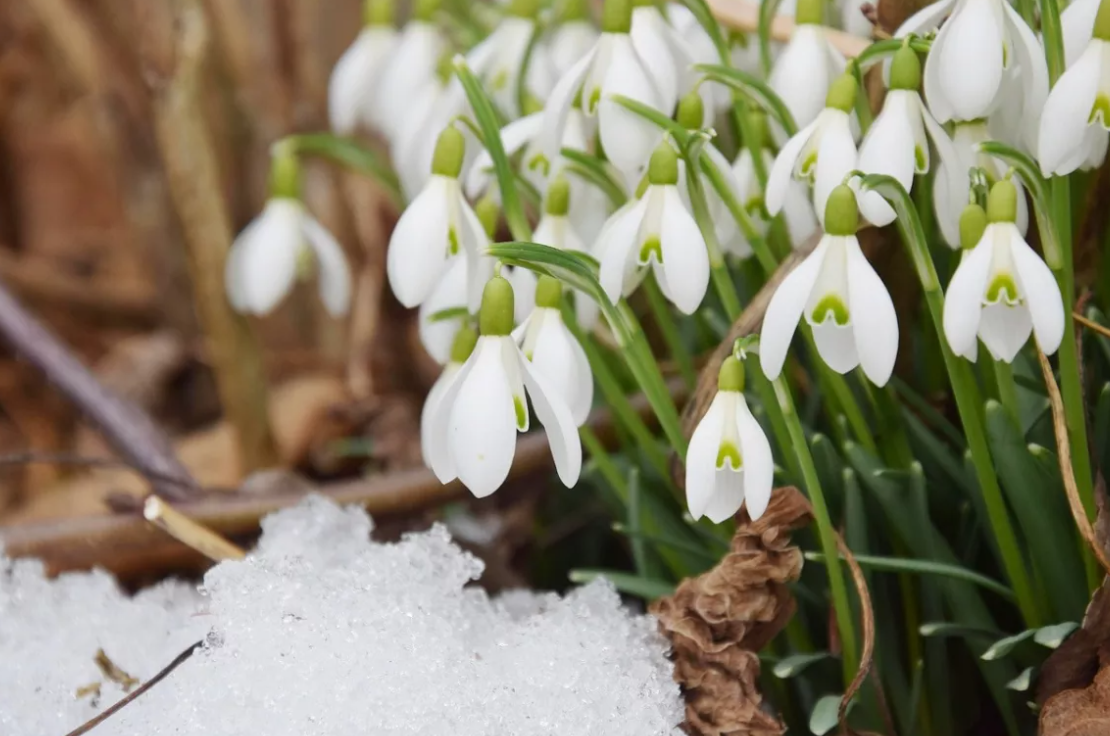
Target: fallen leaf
[{"x": 1083, "y": 712}]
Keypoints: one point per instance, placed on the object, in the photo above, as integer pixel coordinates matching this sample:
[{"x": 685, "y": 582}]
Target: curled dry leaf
[
  {"x": 719, "y": 620},
  {"x": 1079, "y": 712}
]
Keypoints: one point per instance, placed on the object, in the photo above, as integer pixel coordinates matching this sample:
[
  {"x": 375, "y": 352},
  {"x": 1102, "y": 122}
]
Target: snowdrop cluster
[{"x": 560, "y": 85}]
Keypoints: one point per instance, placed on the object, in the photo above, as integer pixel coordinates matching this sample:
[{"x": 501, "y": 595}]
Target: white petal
[
  {"x": 836, "y": 345},
  {"x": 925, "y": 20},
  {"x": 428, "y": 413},
  {"x": 418, "y": 247},
  {"x": 785, "y": 309},
  {"x": 759, "y": 465},
  {"x": 1034, "y": 73},
  {"x": 853, "y": 20},
  {"x": 1066, "y": 113},
  {"x": 963, "y": 302},
  {"x": 628, "y": 139},
  {"x": 888, "y": 149},
  {"x": 524, "y": 292},
  {"x": 437, "y": 446},
  {"x": 932, "y": 82},
  {"x": 615, "y": 248},
  {"x": 836, "y": 156},
  {"x": 781, "y": 174},
  {"x": 450, "y": 292},
  {"x": 874, "y": 321},
  {"x": 557, "y": 357},
  {"x": 970, "y": 63},
  {"x": 801, "y": 220},
  {"x": 801, "y": 75},
  {"x": 483, "y": 421},
  {"x": 651, "y": 46},
  {"x": 701, "y": 455},
  {"x": 1005, "y": 330},
  {"x": 267, "y": 264},
  {"x": 1042, "y": 295},
  {"x": 352, "y": 82},
  {"x": 558, "y": 424},
  {"x": 412, "y": 64},
  {"x": 479, "y": 267},
  {"x": 728, "y": 495},
  {"x": 1077, "y": 23},
  {"x": 334, "y": 275},
  {"x": 558, "y": 105},
  {"x": 513, "y": 138},
  {"x": 685, "y": 258},
  {"x": 948, "y": 169},
  {"x": 233, "y": 269},
  {"x": 571, "y": 42}
]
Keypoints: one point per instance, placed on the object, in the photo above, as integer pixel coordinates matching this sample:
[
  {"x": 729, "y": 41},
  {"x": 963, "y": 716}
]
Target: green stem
[
  {"x": 825, "y": 530},
  {"x": 665, "y": 321},
  {"x": 604, "y": 461},
  {"x": 1007, "y": 389}
]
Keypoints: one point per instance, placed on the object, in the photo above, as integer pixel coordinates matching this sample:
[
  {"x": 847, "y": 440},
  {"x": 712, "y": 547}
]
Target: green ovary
[
  {"x": 540, "y": 162},
  {"x": 834, "y": 305},
  {"x": 1003, "y": 289},
  {"x": 1100, "y": 111},
  {"x": 500, "y": 80},
  {"x": 729, "y": 453},
  {"x": 651, "y": 248},
  {"x": 452, "y": 241},
  {"x": 595, "y": 97},
  {"x": 809, "y": 164},
  {"x": 521, "y": 413},
  {"x": 919, "y": 159}
]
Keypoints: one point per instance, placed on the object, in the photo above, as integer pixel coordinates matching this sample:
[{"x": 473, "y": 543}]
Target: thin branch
[
  {"x": 1091, "y": 324},
  {"x": 65, "y": 458},
  {"x": 185, "y": 530},
  {"x": 133, "y": 434},
  {"x": 122, "y": 703},
  {"x": 743, "y": 15},
  {"x": 867, "y": 623}
]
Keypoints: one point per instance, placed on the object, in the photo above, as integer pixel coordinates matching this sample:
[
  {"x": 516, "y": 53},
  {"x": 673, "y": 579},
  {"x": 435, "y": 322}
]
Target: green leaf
[
  {"x": 449, "y": 313},
  {"x": 1053, "y": 636},
  {"x": 704, "y": 16},
  {"x": 825, "y": 715},
  {"x": 947, "y": 628},
  {"x": 754, "y": 88},
  {"x": 635, "y": 494},
  {"x": 1022, "y": 682},
  {"x": 794, "y": 664},
  {"x": 597, "y": 172},
  {"x": 347, "y": 152},
  {"x": 1002, "y": 647},
  {"x": 880, "y": 50},
  {"x": 659, "y": 540},
  {"x": 768, "y": 9},
  {"x": 924, "y": 567},
  {"x": 645, "y": 588}
]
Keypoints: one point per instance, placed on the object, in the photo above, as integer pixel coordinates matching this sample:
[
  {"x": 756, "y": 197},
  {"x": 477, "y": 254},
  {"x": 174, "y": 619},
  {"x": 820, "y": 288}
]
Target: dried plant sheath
[{"x": 718, "y": 621}]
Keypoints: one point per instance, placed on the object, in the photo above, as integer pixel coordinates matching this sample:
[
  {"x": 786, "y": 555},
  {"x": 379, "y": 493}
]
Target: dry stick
[
  {"x": 185, "y": 530},
  {"x": 175, "y": 47},
  {"x": 1063, "y": 451},
  {"x": 867, "y": 623},
  {"x": 1091, "y": 325},
  {"x": 132, "y": 433},
  {"x": 120, "y": 704}
]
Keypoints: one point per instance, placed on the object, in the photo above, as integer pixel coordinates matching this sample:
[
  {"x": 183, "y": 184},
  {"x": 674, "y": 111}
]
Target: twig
[
  {"x": 1091, "y": 324},
  {"x": 867, "y": 623},
  {"x": 64, "y": 458},
  {"x": 185, "y": 530},
  {"x": 123, "y": 702},
  {"x": 1063, "y": 451},
  {"x": 132, "y": 433},
  {"x": 743, "y": 15}
]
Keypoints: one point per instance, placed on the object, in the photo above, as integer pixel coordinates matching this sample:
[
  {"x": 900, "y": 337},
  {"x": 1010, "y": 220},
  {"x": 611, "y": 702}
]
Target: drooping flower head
[
  {"x": 461, "y": 347},
  {"x": 410, "y": 68},
  {"x": 556, "y": 230},
  {"x": 353, "y": 85},
  {"x": 842, "y": 299},
  {"x": 808, "y": 66},
  {"x": 498, "y": 60},
  {"x": 729, "y": 460},
  {"x": 282, "y": 243},
  {"x": 1002, "y": 291}
]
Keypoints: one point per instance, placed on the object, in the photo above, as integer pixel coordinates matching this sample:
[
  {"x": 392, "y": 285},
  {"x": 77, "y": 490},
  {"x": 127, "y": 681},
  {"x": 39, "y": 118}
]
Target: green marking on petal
[
  {"x": 595, "y": 97},
  {"x": 754, "y": 204},
  {"x": 521, "y": 413},
  {"x": 919, "y": 159},
  {"x": 452, "y": 241},
  {"x": 809, "y": 165},
  {"x": 1005, "y": 56},
  {"x": 1003, "y": 288},
  {"x": 1100, "y": 111},
  {"x": 834, "y": 305},
  {"x": 500, "y": 80},
  {"x": 539, "y": 162},
  {"x": 651, "y": 248},
  {"x": 729, "y": 453},
  {"x": 305, "y": 263}
]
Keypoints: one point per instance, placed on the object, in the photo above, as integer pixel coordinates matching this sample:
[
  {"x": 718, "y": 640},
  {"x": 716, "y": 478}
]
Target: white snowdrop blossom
[
  {"x": 554, "y": 352},
  {"x": 572, "y": 38},
  {"x": 807, "y": 67},
  {"x": 437, "y": 224},
  {"x": 497, "y": 61},
  {"x": 411, "y": 67},
  {"x": 1077, "y": 26},
  {"x": 1076, "y": 115},
  {"x": 658, "y": 232},
  {"x": 440, "y": 102},
  {"x": 823, "y": 152},
  {"x": 556, "y": 230},
  {"x": 353, "y": 85},
  {"x": 437, "y": 336},
  {"x": 896, "y": 143},
  {"x": 984, "y": 56},
  {"x": 614, "y": 66},
  {"x": 460, "y": 348},
  {"x": 282, "y": 242},
  {"x": 1002, "y": 291},
  {"x": 472, "y": 430},
  {"x": 841, "y": 297},
  {"x": 666, "y": 56},
  {"x": 729, "y": 460}
]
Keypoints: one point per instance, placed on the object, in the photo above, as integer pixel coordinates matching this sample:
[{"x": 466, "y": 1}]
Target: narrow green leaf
[
  {"x": 1032, "y": 180},
  {"x": 449, "y": 313},
  {"x": 880, "y": 50},
  {"x": 1022, "y": 682},
  {"x": 645, "y": 588},
  {"x": 825, "y": 714},
  {"x": 947, "y": 628},
  {"x": 1002, "y": 647},
  {"x": 347, "y": 152},
  {"x": 794, "y": 664},
  {"x": 705, "y": 553},
  {"x": 597, "y": 172},
  {"x": 635, "y": 495},
  {"x": 768, "y": 9},
  {"x": 1053, "y": 636},
  {"x": 924, "y": 567},
  {"x": 754, "y": 88}
]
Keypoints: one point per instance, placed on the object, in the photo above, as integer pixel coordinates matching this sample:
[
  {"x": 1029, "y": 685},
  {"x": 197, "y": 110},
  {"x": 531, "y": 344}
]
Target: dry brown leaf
[
  {"x": 717, "y": 621},
  {"x": 1079, "y": 712}
]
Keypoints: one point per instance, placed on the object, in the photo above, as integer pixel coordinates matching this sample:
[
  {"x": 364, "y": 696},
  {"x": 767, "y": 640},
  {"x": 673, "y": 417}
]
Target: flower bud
[
  {"x": 809, "y": 11},
  {"x": 450, "y": 149},
  {"x": 842, "y": 93},
  {"x": 841, "y": 215},
  {"x": 663, "y": 167},
  {"x": 558, "y": 197},
  {"x": 495, "y": 318},
  {"x": 489, "y": 212},
  {"x": 731, "y": 376},
  {"x": 549, "y": 292},
  {"x": 691, "y": 111},
  {"x": 616, "y": 16},
  {"x": 973, "y": 222},
  {"x": 465, "y": 340},
  {"x": 1002, "y": 202},
  {"x": 905, "y": 70},
  {"x": 285, "y": 173}
]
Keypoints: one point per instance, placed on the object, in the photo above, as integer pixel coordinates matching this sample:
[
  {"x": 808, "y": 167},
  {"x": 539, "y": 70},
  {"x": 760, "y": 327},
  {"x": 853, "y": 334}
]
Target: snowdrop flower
[
  {"x": 613, "y": 67},
  {"x": 841, "y": 297},
  {"x": 497, "y": 61},
  {"x": 983, "y": 53},
  {"x": 437, "y": 336},
  {"x": 1077, "y": 25},
  {"x": 659, "y": 232},
  {"x": 411, "y": 67},
  {"x": 521, "y": 279},
  {"x": 665, "y": 55},
  {"x": 897, "y": 145},
  {"x": 573, "y": 37},
  {"x": 556, "y": 355},
  {"x": 437, "y": 224},
  {"x": 459, "y": 350},
  {"x": 691, "y": 115},
  {"x": 1002, "y": 290},
  {"x": 353, "y": 83},
  {"x": 556, "y": 230},
  {"x": 1077, "y": 113},
  {"x": 472, "y": 433},
  {"x": 822, "y": 152},
  {"x": 808, "y": 66},
  {"x": 729, "y": 459},
  {"x": 281, "y": 242}
]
